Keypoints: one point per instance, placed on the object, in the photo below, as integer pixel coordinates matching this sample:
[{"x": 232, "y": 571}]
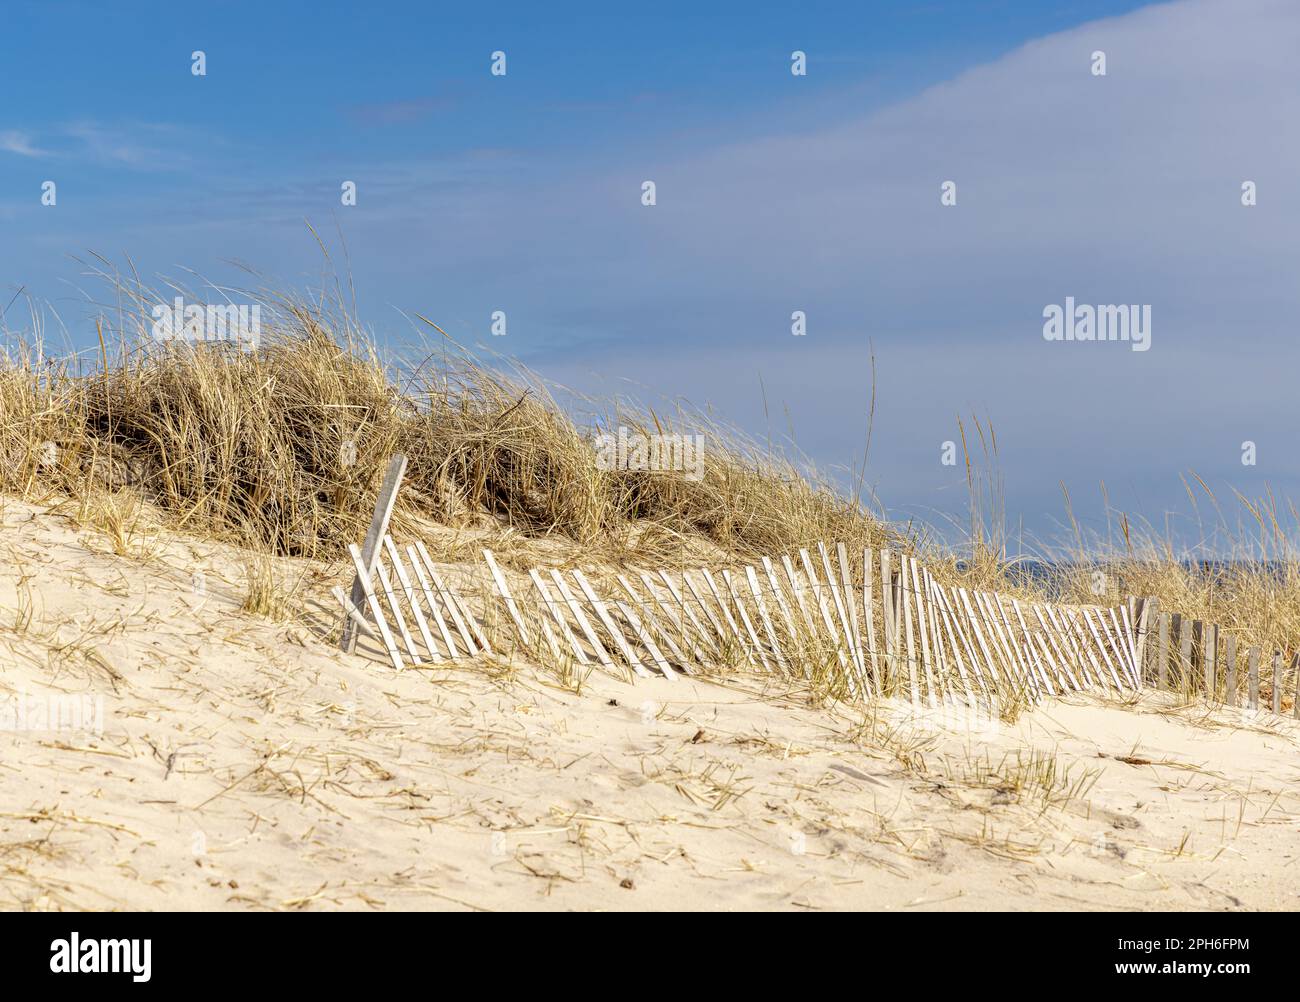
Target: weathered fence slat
[
  {"x": 368, "y": 593},
  {"x": 561, "y": 620},
  {"x": 387, "y": 586},
  {"x": 404, "y": 579},
  {"x": 580, "y": 618},
  {"x": 504, "y": 590},
  {"x": 370, "y": 548},
  {"x": 432, "y": 601},
  {"x": 1230, "y": 684}
]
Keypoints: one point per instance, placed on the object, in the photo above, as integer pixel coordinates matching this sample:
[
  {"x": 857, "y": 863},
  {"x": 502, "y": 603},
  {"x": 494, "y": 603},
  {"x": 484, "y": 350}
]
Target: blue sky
[{"x": 775, "y": 193}]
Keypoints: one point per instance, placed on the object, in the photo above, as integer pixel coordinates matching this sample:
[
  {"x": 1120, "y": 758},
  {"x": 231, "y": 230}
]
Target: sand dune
[{"x": 248, "y": 764}]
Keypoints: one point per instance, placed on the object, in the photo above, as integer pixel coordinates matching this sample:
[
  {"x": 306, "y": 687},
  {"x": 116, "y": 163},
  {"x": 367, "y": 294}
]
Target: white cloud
[
  {"x": 1119, "y": 189},
  {"x": 13, "y": 141}
]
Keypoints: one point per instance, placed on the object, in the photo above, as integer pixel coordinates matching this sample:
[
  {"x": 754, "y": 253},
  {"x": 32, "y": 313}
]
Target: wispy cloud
[
  {"x": 399, "y": 112},
  {"x": 138, "y": 145},
  {"x": 13, "y": 141}
]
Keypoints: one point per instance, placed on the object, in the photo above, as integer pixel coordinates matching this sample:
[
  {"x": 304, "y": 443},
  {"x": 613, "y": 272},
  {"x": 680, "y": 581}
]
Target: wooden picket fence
[
  {"x": 1201, "y": 659},
  {"x": 414, "y": 597},
  {"x": 879, "y": 623},
  {"x": 883, "y": 624}
]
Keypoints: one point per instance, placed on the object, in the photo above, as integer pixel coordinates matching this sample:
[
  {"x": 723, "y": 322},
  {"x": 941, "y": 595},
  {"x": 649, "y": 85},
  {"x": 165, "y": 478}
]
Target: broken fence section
[
  {"x": 868, "y": 625},
  {"x": 410, "y": 609}
]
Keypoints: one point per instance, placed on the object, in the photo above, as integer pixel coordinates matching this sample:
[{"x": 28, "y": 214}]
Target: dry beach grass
[{"x": 245, "y": 763}]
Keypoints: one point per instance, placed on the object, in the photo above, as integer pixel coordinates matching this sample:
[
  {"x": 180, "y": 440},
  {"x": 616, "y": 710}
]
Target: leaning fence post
[
  {"x": 1277, "y": 682},
  {"x": 1253, "y": 678},
  {"x": 370, "y": 549}
]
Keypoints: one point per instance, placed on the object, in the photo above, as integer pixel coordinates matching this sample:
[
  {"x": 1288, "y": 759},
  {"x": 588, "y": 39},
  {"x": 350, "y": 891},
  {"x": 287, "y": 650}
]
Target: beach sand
[{"x": 246, "y": 764}]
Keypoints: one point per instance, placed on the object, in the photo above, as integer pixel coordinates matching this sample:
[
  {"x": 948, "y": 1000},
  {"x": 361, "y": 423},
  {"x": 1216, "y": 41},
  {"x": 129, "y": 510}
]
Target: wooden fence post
[
  {"x": 1211, "y": 661},
  {"x": 1197, "y": 658},
  {"x": 1148, "y": 615},
  {"x": 1230, "y": 682},
  {"x": 370, "y": 550},
  {"x": 1162, "y": 653},
  {"x": 1295, "y": 684},
  {"x": 1184, "y": 652}
]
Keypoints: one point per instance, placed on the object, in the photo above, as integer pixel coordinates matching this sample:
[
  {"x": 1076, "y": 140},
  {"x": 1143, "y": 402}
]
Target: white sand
[{"x": 248, "y": 765}]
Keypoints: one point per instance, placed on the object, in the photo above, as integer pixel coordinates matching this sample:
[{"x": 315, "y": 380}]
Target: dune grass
[{"x": 282, "y": 449}]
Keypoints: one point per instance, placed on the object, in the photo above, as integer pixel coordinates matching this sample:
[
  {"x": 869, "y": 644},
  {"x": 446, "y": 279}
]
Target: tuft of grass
[{"x": 270, "y": 592}]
